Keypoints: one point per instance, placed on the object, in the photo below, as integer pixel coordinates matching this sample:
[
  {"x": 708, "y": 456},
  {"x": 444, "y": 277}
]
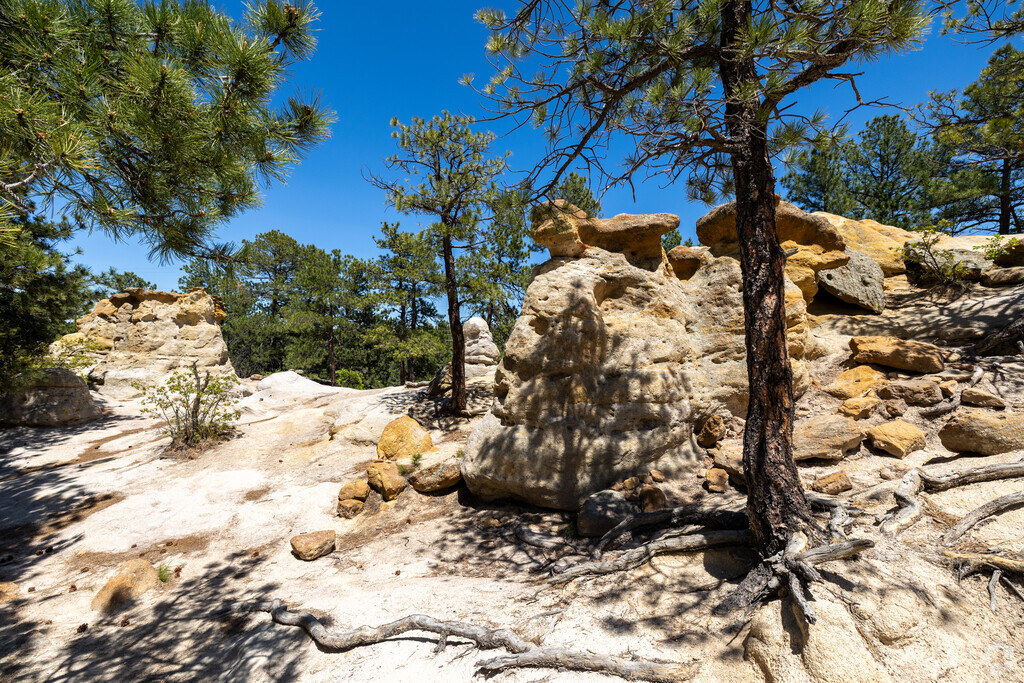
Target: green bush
[
  {"x": 197, "y": 409},
  {"x": 928, "y": 266},
  {"x": 349, "y": 378}
]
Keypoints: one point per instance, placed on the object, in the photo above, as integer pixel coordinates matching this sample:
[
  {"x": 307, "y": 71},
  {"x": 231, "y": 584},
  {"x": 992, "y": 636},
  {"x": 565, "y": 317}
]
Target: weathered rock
[
  {"x": 8, "y": 591},
  {"x": 973, "y": 396},
  {"x": 656, "y": 476},
  {"x": 349, "y": 508},
  {"x": 859, "y": 407},
  {"x": 686, "y": 261},
  {"x": 439, "y": 477},
  {"x": 916, "y": 392},
  {"x": 832, "y": 484},
  {"x": 729, "y": 458},
  {"x": 898, "y": 353},
  {"x": 899, "y": 438},
  {"x": 819, "y": 245},
  {"x": 829, "y": 437},
  {"x": 859, "y": 282},
  {"x": 651, "y": 498},
  {"x": 1003, "y": 277},
  {"x": 132, "y": 579},
  {"x": 948, "y": 388},
  {"x": 974, "y": 430},
  {"x": 482, "y": 356},
  {"x": 384, "y": 478},
  {"x": 713, "y": 431},
  {"x": 403, "y": 438},
  {"x": 602, "y": 511},
  {"x": 142, "y": 335},
  {"x": 855, "y": 381},
  {"x": 313, "y": 545},
  {"x": 717, "y": 480},
  {"x": 58, "y": 397},
  {"x": 354, "y": 490},
  {"x": 882, "y": 243},
  {"x": 895, "y": 407},
  {"x": 567, "y": 231}
]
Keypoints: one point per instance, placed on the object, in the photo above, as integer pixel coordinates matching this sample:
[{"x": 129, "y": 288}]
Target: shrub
[
  {"x": 928, "y": 266},
  {"x": 197, "y": 409},
  {"x": 999, "y": 247},
  {"x": 352, "y": 379}
]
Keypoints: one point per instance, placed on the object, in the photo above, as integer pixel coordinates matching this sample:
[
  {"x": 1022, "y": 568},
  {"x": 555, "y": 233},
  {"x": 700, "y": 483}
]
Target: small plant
[
  {"x": 197, "y": 409},
  {"x": 403, "y": 470},
  {"x": 998, "y": 247},
  {"x": 163, "y": 572},
  {"x": 571, "y": 532},
  {"x": 461, "y": 453},
  {"x": 416, "y": 458},
  {"x": 927, "y": 265}
]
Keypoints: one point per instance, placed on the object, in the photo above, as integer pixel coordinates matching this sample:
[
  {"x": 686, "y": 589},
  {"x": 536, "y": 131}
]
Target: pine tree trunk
[
  {"x": 1005, "y": 207},
  {"x": 458, "y": 404},
  {"x": 330, "y": 348},
  {"x": 776, "y": 504}
]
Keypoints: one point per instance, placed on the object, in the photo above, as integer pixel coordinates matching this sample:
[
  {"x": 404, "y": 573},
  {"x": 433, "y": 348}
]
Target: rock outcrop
[
  {"x": 482, "y": 356},
  {"x": 613, "y": 362},
  {"x": 859, "y": 282},
  {"x": 58, "y": 397},
  {"x": 142, "y": 335}
]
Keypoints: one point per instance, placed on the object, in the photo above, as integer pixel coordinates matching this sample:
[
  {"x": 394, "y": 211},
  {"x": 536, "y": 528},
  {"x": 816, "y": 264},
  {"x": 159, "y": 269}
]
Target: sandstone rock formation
[
  {"x": 384, "y": 477},
  {"x": 974, "y": 430},
  {"x": 314, "y": 544},
  {"x": 437, "y": 477},
  {"x": 884, "y": 244},
  {"x": 859, "y": 282},
  {"x": 901, "y": 354},
  {"x": 59, "y": 397},
  {"x": 613, "y": 362},
  {"x": 143, "y": 335},
  {"x": 481, "y": 356},
  {"x": 899, "y": 438},
  {"x": 403, "y": 438}
]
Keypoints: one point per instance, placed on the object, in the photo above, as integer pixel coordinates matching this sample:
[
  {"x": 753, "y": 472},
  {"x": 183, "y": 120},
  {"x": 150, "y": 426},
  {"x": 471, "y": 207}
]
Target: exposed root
[
  {"x": 976, "y": 561},
  {"x": 908, "y": 508},
  {"x": 993, "y": 507},
  {"x": 713, "y": 518},
  {"x": 840, "y": 514},
  {"x": 973, "y": 475},
  {"x": 539, "y": 540},
  {"x": 954, "y": 403},
  {"x": 522, "y": 653},
  {"x": 993, "y": 585},
  {"x": 670, "y": 543}
]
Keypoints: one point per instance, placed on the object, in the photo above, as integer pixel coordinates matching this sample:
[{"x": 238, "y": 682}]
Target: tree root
[
  {"x": 976, "y": 561},
  {"x": 909, "y": 508},
  {"x": 522, "y": 653},
  {"x": 990, "y": 508},
  {"x": 670, "y": 543},
  {"x": 954, "y": 403},
  {"x": 993, "y": 584},
  {"x": 714, "y": 518}
]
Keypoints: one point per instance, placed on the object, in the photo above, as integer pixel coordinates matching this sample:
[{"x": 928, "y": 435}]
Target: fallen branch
[
  {"x": 973, "y": 475},
  {"x": 523, "y": 653},
  {"x": 709, "y": 518},
  {"x": 994, "y": 507},
  {"x": 672, "y": 543}
]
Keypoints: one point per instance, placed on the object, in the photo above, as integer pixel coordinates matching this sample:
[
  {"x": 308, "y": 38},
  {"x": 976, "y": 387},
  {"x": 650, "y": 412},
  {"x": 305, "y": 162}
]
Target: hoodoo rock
[
  {"x": 482, "y": 356},
  {"x": 142, "y": 335},
  {"x": 613, "y": 363}
]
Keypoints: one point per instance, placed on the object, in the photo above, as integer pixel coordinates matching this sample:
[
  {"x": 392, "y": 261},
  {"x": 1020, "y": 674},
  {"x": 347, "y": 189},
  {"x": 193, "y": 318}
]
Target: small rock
[
  {"x": 354, "y": 490},
  {"x": 974, "y": 430},
  {"x": 657, "y": 476},
  {"x": 349, "y": 508},
  {"x": 443, "y": 475},
  {"x": 856, "y": 381},
  {"x": 901, "y": 354},
  {"x": 490, "y": 523},
  {"x": 977, "y": 397},
  {"x": 859, "y": 407},
  {"x": 712, "y": 432},
  {"x": 384, "y": 478},
  {"x": 729, "y": 457},
  {"x": 132, "y": 579},
  {"x": 717, "y": 480},
  {"x": 899, "y": 438},
  {"x": 890, "y": 472},
  {"x": 895, "y": 407},
  {"x": 8, "y": 591},
  {"x": 403, "y": 438},
  {"x": 916, "y": 392},
  {"x": 602, "y": 511},
  {"x": 826, "y": 438},
  {"x": 948, "y": 388},
  {"x": 652, "y": 498},
  {"x": 631, "y": 483},
  {"x": 832, "y": 484},
  {"x": 314, "y": 544}
]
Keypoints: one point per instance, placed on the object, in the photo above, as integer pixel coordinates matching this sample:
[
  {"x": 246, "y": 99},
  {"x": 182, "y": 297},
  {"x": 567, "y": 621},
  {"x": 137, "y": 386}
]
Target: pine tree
[
  {"x": 151, "y": 119},
  {"x": 700, "y": 88},
  {"x": 452, "y": 179},
  {"x": 818, "y": 181}
]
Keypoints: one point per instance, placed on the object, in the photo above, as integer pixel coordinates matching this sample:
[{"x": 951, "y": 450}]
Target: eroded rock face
[
  {"x": 143, "y": 335},
  {"x": 59, "y": 397},
  {"x": 883, "y": 243},
  {"x": 611, "y": 365},
  {"x": 859, "y": 282}
]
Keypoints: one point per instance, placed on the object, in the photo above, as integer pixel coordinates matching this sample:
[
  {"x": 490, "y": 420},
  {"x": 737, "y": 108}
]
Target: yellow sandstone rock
[
  {"x": 899, "y": 438},
  {"x": 403, "y": 438}
]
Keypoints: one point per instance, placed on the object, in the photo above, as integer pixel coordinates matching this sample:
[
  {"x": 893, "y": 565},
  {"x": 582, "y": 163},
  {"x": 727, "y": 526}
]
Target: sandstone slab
[
  {"x": 829, "y": 437},
  {"x": 859, "y": 407},
  {"x": 916, "y": 392},
  {"x": 832, "y": 484},
  {"x": 57, "y": 397},
  {"x": 975, "y": 430},
  {"x": 973, "y": 396},
  {"x": 901, "y": 354},
  {"x": 443, "y": 475},
  {"x": 1003, "y": 277},
  {"x": 349, "y": 508},
  {"x": 899, "y": 438},
  {"x": 856, "y": 381}
]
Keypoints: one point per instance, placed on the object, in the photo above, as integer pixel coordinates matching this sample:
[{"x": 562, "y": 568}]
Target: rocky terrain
[{"x": 621, "y": 390}]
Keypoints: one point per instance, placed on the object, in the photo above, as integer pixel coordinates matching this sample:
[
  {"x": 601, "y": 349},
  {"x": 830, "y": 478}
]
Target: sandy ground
[{"x": 76, "y": 503}]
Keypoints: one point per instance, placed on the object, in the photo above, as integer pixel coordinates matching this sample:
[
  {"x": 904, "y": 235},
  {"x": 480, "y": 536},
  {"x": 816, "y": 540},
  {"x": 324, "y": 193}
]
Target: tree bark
[
  {"x": 1005, "y": 208},
  {"x": 776, "y": 504},
  {"x": 330, "y": 346},
  {"x": 458, "y": 404}
]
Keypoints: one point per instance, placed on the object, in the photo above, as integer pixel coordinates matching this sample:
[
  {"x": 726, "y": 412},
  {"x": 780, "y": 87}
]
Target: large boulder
[
  {"x": 403, "y": 438},
  {"x": 975, "y": 430},
  {"x": 142, "y": 335},
  {"x": 818, "y": 245},
  {"x": 859, "y": 282},
  {"x": 901, "y": 354},
  {"x": 610, "y": 367},
  {"x": 56, "y": 398}
]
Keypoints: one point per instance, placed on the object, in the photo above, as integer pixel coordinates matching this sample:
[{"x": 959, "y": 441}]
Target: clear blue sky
[{"x": 403, "y": 58}]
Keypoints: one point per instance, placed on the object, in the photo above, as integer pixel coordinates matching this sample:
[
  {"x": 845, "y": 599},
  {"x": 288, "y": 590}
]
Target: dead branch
[
  {"x": 952, "y": 404},
  {"x": 994, "y": 507},
  {"x": 713, "y": 518},
  {"x": 973, "y": 475},
  {"x": 908, "y": 508},
  {"x": 670, "y": 543},
  {"x": 523, "y": 653},
  {"x": 990, "y": 560},
  {"x": 993, "y": 585}
]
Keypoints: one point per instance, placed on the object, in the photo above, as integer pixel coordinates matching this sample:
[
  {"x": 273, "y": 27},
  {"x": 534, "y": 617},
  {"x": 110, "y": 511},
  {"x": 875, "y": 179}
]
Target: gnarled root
[
  {"x": 990, "y": 508},
  {"x": 954, "y": 403},
  {"x": 522, "y": 652},
  {"x": 713, "y": 518}
]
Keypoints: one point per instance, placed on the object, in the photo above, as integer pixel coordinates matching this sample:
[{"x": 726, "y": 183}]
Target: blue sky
[{"x": 404, "y": 58}]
